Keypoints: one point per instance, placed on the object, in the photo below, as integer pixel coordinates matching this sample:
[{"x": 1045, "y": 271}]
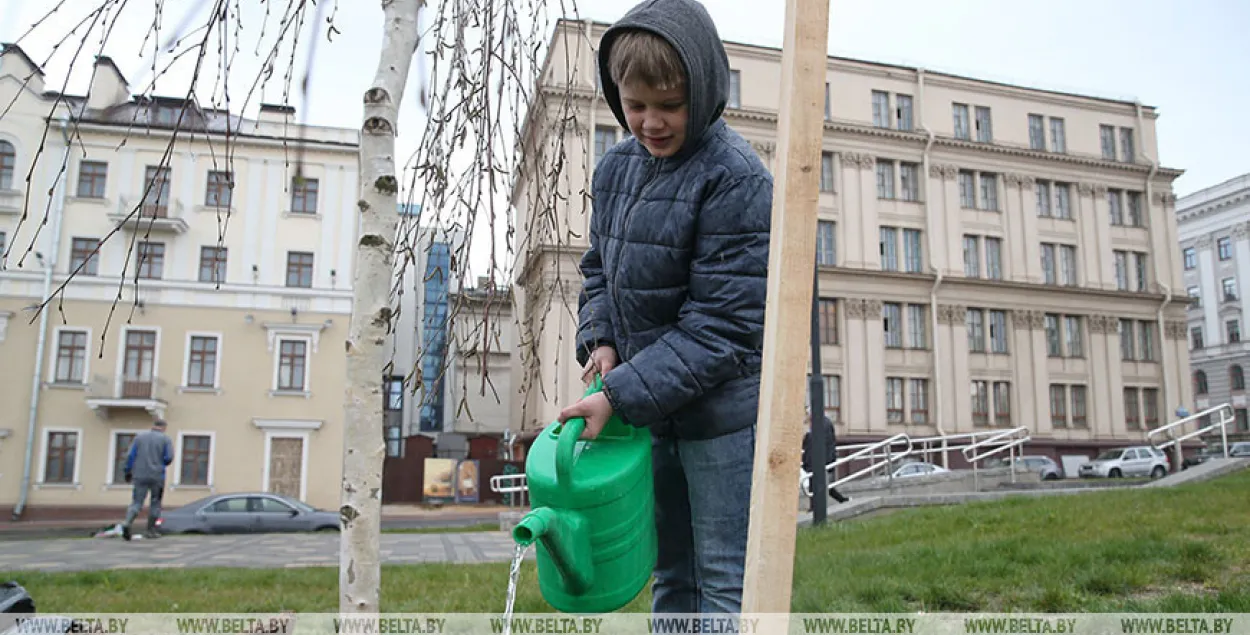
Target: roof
[{"x": 6, "y": 48}]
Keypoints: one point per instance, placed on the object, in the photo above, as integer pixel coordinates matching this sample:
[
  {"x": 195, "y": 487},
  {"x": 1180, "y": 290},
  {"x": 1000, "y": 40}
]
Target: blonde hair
[{"x": 646, "y": 57}]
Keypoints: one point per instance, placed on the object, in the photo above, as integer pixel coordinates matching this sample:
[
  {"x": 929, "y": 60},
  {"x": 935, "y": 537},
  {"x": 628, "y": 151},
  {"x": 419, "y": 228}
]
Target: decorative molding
[
  {"x": 947, "y": 172},
  {"x": 1104, "y": 324},
  {"x": 1165, "y": 198},
  {"x": 1026, "y": 320},
  {"x": 287, "y": 424},
  {"x": 872, "y": 309},
  {"x": 1240, "y": 231},
  {"x": 312, "y": 331},
  {"x": 1085, "y": 189},
  {"x": 1175, "y": 329},
  {"x": 952, "y": 314},
  {"x": 1011, "y": 179},
  {"x": 1203, "y": 242},
  {"x": 764, "y": 147},
  {"x": 1100, "y": 189},
  {"x": 866, "y": 161},
  {"x": 854, "y": 308}
]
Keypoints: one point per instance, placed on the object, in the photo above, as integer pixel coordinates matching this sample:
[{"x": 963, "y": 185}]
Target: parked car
[
  {"x": 1047, "y": 469},
  {"x": 246, "y": 513},
  {"x": 1142, "y": 460},
  {"x": 918, "y": 468},
  {"x": 1241, "y": 449}
]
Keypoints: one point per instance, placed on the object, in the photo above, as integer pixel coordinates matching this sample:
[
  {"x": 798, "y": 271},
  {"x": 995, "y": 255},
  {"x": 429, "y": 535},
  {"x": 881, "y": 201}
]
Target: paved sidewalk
[{"x": 264, "y": 551}]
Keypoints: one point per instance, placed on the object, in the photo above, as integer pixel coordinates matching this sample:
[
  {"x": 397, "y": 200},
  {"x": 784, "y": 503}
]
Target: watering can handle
[{"x": 569, "y": 436}]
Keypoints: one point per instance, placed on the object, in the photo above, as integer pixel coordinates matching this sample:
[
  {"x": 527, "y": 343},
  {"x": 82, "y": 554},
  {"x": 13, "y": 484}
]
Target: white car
[
  {"x": 1142, "y": 460},
  {"x": 918, "y": 469}
]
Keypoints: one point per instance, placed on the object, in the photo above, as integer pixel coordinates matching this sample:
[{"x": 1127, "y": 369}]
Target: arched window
[
  {"x": 1200, "y": 383},
  {"x": 8, "y": 165},
  {"x": 1236, "y": 377}
]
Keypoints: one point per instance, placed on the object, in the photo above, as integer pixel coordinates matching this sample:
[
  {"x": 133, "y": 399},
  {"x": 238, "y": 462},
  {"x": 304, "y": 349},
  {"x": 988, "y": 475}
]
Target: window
[
  {"x": 299, "y": 269},
  {"x": 993, "y": 258},
  {"x": 909, "y": 175},
  {"x": 892, "y": 322},
  {"x": 156, "y": 191},
  {"x": 212, "y": 264},
  {"x": 304, "y": 195},
  {"x": 151, "y": 260},
  {"x": 1078, "y": 406},
  {"x": 1200, "y": 382},
  {"x": 60, "y": 457},
  {"x": 1127, "y": 146},
  {"x": 202, "y": 362},
  {"x": 998, "y": 332},
  {"x": 393, "y": 396},
  {"x": 1106, "y": 135},
  {"x": 1037, "y": 132},
  {"x": 1058, "y": 406},
  {"x": 1048, "y": 264},
  {"x": 1134, "y": 209},
  {"x": 1043, "y": 198},
  {"x": 121, "y": 451},
  {"x": 1063, "y": 201},
  {"x": 1002, "y": 404},
  {"x": 917, "y": 329},
  {"x": 1067, "y": 265},
  {"x": 1229, "y": 286},
  {"x": 92, "y": 179},
  {"x": 1243, "y": 421},
  {"x": 3, "y": 242},
  {"x": 967, "y": 190},
  {"x": 292, "y": 363},
  {"x": 980, "y": 402},
  {"x": 1116, "y": 207},
  {"x": 885, "y": 179},
  {"x": 1150, "y": 407},
  {"x": 919, "y": 396},
  {"x": 832, "y": 396},
  {"x": 139, "y": 364},
  {"x": 1195, "y": 297},
  {"x": 1236, "y": 377},
  {"x": 1132, "y": 409},
  {"x": 1127, "y": 352},
  {"x": 1195, "y": 337},
  {"x": 894, "y": 399},
  {"x": 826, "y": 172},
  {"x": 827, "y": 309},
  {"x": 976, "y": 330},
  {"x": 735, "y": 89},
  {"x": 1141, "y": 276},
  {"x": 880, "y": 109},
  {"x": 1191, "y": 258},
  {"x": 913, "y": 252},
  {"x": 962, "y": 127},
  {"x": 1054, "y": 344},
  {"x": 8, "y": 165},
  {"x": 1121, "y": 270},
  {"x": 394, "y": 440},
  {"x": 1058, "y": 138},
  {"x": 889, "y": 249},
  {"x": 1224, "y": 247},
  {"x": 219, "y": 190},
  {"x": 972, "y": 260},
  {"x": 83, "y": 256},
  {"x": 1074, "y": 343},
  {"x": 605, "y": 138},
  {"x": 904, "y": 112},
  {"x": 985, "y": 132},
  {"x": 1146, "y": 341},
  {"x": 1232, "y": 330},
  {"x": 826, "y": 243},
  {"x": 989, "y": 192},
  {"x": 71, "y": 357},
  {"x": 193, "y": 468}
]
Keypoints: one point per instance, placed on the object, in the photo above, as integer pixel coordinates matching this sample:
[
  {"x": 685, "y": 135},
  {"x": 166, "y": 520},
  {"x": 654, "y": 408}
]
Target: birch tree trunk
[{"x": 364, "y": 447}]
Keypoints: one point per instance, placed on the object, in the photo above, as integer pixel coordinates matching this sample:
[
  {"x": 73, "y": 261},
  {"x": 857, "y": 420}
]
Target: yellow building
[
  {"x": 233, "y": 310},
  {"x": 990, "y": 256}
]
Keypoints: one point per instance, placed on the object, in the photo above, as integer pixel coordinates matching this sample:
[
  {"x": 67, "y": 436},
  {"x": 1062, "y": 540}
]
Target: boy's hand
[
  {"x": 602, "y": 360},
  {"x": 595, "y": 409}
]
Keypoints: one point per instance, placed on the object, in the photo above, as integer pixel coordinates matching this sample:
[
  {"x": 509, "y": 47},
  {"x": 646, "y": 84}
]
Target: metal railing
[
  {"x": 511, "y": 484},
  {"x": 887, "y": 457},
  {"x": 1003, "y": 441},
  {"x": 1226, "y": 416}
]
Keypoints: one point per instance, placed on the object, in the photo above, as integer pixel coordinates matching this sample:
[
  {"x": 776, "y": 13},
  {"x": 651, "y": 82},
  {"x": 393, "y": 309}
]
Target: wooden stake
[{"x": 800, "y": 131}]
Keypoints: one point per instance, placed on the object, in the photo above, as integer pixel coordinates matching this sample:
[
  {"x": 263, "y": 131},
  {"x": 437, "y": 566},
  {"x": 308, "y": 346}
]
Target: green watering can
[{"x": 592, "y": 514}]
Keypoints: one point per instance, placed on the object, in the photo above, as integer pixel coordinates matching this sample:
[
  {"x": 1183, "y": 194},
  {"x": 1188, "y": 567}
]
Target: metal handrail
[
  {"x": 1226, "y": 417},
  {"x": 805, "y": 477},
  {"x": 996, "y": 439},
  {"x": 506, "y": 483}
]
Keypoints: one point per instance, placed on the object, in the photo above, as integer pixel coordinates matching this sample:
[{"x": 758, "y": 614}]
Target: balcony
[
  {"x": 158, "y": 218},
  {"x": 126, "y": 395}
]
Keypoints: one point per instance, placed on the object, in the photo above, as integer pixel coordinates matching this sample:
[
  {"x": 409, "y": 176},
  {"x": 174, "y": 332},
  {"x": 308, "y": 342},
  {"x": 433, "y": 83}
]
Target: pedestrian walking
[{"x": 150, "y": 453}]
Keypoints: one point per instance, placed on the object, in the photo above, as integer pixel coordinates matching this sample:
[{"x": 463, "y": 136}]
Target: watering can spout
[{"x": 566, "y": 538}]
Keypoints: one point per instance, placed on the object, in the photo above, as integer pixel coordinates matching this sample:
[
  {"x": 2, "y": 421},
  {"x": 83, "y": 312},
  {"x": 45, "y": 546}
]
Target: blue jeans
[{"x": 702, "y": 511}]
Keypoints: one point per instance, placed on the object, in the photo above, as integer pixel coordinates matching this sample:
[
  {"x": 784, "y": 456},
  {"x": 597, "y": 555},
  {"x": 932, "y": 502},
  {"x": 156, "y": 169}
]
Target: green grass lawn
[{"x": 1181, "y": 549}]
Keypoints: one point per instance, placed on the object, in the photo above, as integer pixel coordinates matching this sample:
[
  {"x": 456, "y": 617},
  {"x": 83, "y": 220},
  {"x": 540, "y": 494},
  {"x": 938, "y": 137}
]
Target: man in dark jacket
[
  {"x": 150, "y": 453},
  {"x": 831, "y": 447},
  {"x": 672, "y": 309}
]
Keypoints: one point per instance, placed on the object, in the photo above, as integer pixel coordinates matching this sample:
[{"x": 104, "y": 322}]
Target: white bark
[{"x": 364, "y": 447}]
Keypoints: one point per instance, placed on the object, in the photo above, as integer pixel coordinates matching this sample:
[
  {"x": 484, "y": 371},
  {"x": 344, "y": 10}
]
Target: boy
[{"x": 672, "y": 309}]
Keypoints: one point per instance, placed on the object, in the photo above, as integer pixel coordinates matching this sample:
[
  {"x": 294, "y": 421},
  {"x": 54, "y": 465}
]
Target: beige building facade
[
  {"x": 234, "y": 276},
  {"x": 990, "y": 256}
]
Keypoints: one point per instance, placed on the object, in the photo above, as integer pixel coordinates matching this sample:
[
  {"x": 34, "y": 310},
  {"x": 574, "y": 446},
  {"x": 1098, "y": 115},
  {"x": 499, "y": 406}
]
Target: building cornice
[{"x": 200, "y": 136}]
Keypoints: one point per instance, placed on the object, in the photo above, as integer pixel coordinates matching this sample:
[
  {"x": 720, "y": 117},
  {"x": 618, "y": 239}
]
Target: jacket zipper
[{"x": 652, "y": 170}]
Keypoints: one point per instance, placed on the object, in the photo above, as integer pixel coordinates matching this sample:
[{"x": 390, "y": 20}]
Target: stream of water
[{"x": 513, "y": 574}]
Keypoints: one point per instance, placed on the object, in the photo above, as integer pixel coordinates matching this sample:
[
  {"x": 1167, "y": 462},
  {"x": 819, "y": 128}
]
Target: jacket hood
[{"x": 688, "y": 27}]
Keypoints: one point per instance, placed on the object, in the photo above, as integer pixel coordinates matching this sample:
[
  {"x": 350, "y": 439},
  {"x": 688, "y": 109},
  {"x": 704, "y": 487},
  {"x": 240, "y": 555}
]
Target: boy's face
[{"x": 657, "y": 118}]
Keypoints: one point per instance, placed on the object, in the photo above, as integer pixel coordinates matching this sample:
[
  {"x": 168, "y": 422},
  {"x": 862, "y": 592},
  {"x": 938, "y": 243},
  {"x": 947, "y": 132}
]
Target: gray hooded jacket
[
  {"x": 150, "y": 453},
  {"x": 676, "y": 274}
]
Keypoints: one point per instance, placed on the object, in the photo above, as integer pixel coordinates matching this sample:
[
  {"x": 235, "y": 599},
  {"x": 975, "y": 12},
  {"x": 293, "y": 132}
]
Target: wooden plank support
[{"x": 800, "y": 131}]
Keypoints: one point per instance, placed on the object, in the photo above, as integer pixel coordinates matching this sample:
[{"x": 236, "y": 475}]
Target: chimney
[
  {"x": 14, "y": 61},
  {"x": 108, "y": 86},
  {"x": 273, "y": 113}
]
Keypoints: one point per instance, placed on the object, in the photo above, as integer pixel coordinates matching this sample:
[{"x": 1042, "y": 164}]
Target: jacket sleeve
[
  {"x": 721, "y": 322},
  {"x": 593, "y": 308},
  {"x": 130, "y": 458}
]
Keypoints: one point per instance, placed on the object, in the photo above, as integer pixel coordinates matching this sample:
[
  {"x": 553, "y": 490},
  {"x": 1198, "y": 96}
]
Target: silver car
[
  {"x": 1142, "y": 460},
  {"x": 1046, "y": 468},
  {"x": 246, "y": 513}
]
